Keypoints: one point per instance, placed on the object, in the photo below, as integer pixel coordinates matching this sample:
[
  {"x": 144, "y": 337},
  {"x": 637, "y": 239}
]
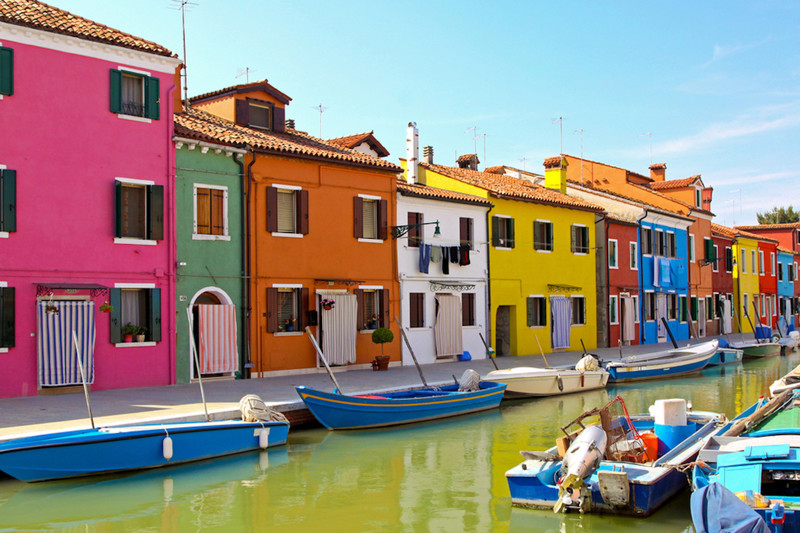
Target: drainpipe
[
  {"x": 601, "y": 308},
  {"x": 640, "y": 276},
  {"x": 488, "y": 293},
  {"x": 246, "y": 182},
  {"x": 245, "y": 337},
  {"x": 172, "y": 256}
]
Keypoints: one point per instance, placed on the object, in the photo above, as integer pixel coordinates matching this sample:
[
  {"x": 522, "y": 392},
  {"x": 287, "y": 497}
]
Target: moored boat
[
  {"x": 724, "y": 356},
  {"x": 666, "y": 363},
  {"x": 790, "y": 381},
  {"x": 755, "y": 349},
  {"x": 526, "y": 381}
]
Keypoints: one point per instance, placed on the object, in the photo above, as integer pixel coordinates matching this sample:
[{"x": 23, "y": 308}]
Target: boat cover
[{"x": 716, "y": 509}]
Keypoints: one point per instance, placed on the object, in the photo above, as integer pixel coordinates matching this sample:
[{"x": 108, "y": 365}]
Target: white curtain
[
  {"x": 447, "y": 330},
  {"x": 561, "y": 320},
  {"x": 339, "y": 328},
  {"x": 58, "y": 361},
  {"x": 628, "y": 319},
  {"x": 661, "y": 312},
  {"x": 727, "y": 325}
]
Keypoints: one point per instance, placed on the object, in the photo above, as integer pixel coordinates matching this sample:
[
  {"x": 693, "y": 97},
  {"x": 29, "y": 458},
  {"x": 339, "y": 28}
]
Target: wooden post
[
  {"x": 488, "y": 351},
  {"x": 541, "y": 351},
  {"x": 83, "y": 377},
  {"x": 414, "y": 357},
  {"x": 324, "y": 361}
]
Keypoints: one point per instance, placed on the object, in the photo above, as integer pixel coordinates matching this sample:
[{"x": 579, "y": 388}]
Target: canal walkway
[{"x": 32, "y": 415}]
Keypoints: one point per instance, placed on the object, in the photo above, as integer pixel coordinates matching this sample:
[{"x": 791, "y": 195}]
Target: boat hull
[
  {"x": 753, "y": 351},
  {"x": 724, "y": 356},
  {"x": 528, "y": 382},
  {"x": 663, "y": 364},
  {"x": 105, "y": 450},
  {"x": 338, "y": 411}
]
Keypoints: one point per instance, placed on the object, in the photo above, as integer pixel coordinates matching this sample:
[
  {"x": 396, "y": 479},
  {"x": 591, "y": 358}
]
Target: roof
[
  {"x": 424, "y": 191},
  {"x": 732, "y": 233},
  {"x": 503, "y": 186},
  {"x": 41, "y": 16},
  {"x": 768, "y": 227},
  {"x": 204, "y": 126},
  {"x": 260, "y": 85},
  {"x": 631, "y": 199},
  {"x": 674, "y": 184},
  {"x": 646, "y": 178},
  {"x": 351, "y": 141},
  {"x": 467, "y": 157},
  {"x": 785, "y": 250},
  {"x": 497, "y": 169}
]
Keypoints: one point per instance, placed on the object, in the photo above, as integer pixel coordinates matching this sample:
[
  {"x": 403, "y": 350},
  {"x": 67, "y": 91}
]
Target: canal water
[{"x": 443, "y": 476}]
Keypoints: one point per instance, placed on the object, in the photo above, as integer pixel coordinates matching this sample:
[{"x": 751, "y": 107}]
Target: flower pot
[
  {"x": 139, "y": 338},
  {"x": 289, "y": 327},
  {"x": 127, "y": 338},
  {"x": 373, "y": 325},
  {"x": 381, "y": 363}
]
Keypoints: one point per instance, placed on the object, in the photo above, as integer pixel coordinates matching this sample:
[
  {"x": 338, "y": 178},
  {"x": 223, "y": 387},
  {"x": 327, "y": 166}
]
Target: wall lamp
[{"x": 399, "y": 231}]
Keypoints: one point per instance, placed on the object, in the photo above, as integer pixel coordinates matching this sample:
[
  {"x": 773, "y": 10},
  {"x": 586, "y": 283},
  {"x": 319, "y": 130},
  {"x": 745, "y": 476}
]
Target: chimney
[
  {"x": 555, "y": 174},
  {"x": 469, "y": 161},
  {"x": 412, "y": 152},
  {"x": 658, "y": 171},
  {"x": 290, "y": 124},
  {"x": 427, "y": 154}
]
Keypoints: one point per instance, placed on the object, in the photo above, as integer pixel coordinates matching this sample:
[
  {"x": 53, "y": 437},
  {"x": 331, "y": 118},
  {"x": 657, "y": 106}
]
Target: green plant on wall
[{"x": 382, "y": 336}]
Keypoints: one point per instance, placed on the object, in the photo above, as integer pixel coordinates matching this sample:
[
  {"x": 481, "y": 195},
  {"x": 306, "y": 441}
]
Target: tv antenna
[
  {"x": 183, "y": 5},
  {"x": 321, "y": 110},
  {"x": 734, "y": 205},
  {"x": 474, "y": 130},
  {"x": 246, "y": 73},
  {"x": 560, "y": 121},
  {"x": 484, "y": 147},
  {"x": 581, "y": 132},
  {"x": 523, "y": 162},
  {"x": 651, "y": 144}
]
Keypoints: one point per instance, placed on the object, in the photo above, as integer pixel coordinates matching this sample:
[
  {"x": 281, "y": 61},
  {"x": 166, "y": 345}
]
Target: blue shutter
[
  {"x": 115, "y": 91},
  {"x": 115, "y": 316},
  {"x": 152, "y": 98},
  {"x": 8, "y": 196}
]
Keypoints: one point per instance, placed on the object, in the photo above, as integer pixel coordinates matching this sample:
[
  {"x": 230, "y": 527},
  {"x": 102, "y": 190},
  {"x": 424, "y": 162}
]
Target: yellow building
[
  {"x": 745, "y": 276},
  {"x": 542, "y": 260}
]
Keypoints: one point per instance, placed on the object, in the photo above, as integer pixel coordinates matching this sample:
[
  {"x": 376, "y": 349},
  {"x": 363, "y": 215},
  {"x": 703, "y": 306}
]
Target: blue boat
[
  {"x": 86, "y": 452},
  {"x": 637, "y": 471},
  {"x": 667, "y": 363},
  {"x": 757, "y": 457},
  {"x": 724, "y": 356},
  {"x": 339, "y": 411}
]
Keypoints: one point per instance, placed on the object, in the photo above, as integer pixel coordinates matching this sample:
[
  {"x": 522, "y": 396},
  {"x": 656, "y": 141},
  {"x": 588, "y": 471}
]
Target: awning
[
  {"x": 95, "y": 289},
  {"x": 443, "y": 286},
  {"x": 560, "y": 287}
]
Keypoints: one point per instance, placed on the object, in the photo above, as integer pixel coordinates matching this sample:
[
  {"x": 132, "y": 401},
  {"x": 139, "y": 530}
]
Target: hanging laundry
[
  {"x": 424, "y": 257},
  {"x": 666, "y": 279},
  {"x": 454, "y": 254},
  {"x": 436, "y": 254},
  {"x": 463, "y": 255},
  {"x": 445, "y": 260},
  {"x": 656, "y": 277}
]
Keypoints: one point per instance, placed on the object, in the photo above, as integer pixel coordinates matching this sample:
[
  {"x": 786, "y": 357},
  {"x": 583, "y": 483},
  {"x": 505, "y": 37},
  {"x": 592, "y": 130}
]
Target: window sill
[
  {"x": 3, "y": 235},
  {"x": 580, "y": 253},
  {"x": 288, "y": 333},
  {"x": 128, "y": 240},
  {"x": 537, "y": 327},
  {"x": 134, "y": 118},
  {"x": 613, "y": 323},
  {"x": 374, "y": 241},
  {"x": 3, "y": 350},
  {"x": 544, "y": 251},
  {"x": 502, "y": 248},
  {"x": 134, "y": 344},
  {"x": 290, "y": 235},
  {"x": 577, "y": 325},
  {"x": 613, "y": 268},
  {"x": 204, "y": 237}
]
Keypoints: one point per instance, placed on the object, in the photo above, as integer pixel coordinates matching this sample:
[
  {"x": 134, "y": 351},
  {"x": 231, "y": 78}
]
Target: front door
[
  {"x": 503, "y": 333},
  {"x": 338, "y": 327},
  {"x": 61, "y": 324},
  {"x": 661, "y": 313}
]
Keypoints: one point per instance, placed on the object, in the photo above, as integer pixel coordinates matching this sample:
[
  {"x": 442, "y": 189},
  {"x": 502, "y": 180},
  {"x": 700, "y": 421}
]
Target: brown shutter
[
  {"x": 463, "y": 231},
  {"x": 302, "y": 212},
  {"x": 386, "y": 309},
  {"x": 242, "y": 112},
  {"x": 414, "y": 231},
  {"x": 360, "y": 318},
  {"x": 272, "y": 209},
  {"x": 413, "y": 313},
  {"x": 272, "y": 310},
  {"x": 203, "y": 203},
  {"x": 217, "y": 212},
  {"x": 495, "y": 231},
  {"x": 383, "y": 220},
  {"x": 278, "y": 118},
  {"x": 302, "y": 320},
  {"x": 358, "y": 213}
]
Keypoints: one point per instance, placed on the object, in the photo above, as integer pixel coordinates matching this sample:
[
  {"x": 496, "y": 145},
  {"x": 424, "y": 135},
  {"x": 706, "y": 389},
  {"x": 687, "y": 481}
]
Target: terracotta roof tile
[
  {"x": 466, "y": 157},
  {"x": 35, "y": 14},
  {"x": 351, "y": 141},
  {"x": 658, "y": 166},
  {"x": 503, "y": 186},
  {"x": 785, "y": 250},
  {"x": 498, "y": 169},
  {"x": 737, "y": 232},
  {"x": 612, "y": 192},
  {"x": 424, "y": 191},
  {"x": 553, "y": 162},
  {"x": 260, "y": 85},
  {"x": 674, "y": 184},
  {"x": 205, "y": 126},
  {"x": 788, "y": 225}
]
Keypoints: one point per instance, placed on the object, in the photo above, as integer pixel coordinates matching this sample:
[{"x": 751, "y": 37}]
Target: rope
[
  {"x": 254, "y": 409},
  {"x": 470, "y": 381}
]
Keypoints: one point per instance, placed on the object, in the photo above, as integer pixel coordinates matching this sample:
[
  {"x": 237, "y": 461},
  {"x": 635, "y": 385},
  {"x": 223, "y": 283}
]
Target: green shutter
[
  {"x": 115, "y": 316},
  {"x": 710, "y": 255},
  {"x": 155, "y": 208},
  {"x": 6, "y": 71},
  {"x": 537, "y": 237},
  {"x": 115, "y": 101},
  {"x": 8, "y": 195},
  {"x": 6, "y": 317},
  {"x": 694, "y": 307},
  {"x": 530, "y": 301},
  {"x": 495, "y": 231},
  {"x": 152, "y": 98},
  {"x": 154, "y": 327},
  {"x": 510, "y": 239},
  {"x": 117, "y": 209}
]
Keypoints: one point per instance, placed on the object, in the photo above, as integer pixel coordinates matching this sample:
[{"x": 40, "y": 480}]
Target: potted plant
[
  {"x": 106, "y": 307},
  {"x": 140, "y": 333},
  {"x": 128, "y": 331},
  {"x": 288, "y": 324},
  {"x": 381, "y": 336},
  {"x": 372, "y": 322},
  {"x": 327, "y": 303}
]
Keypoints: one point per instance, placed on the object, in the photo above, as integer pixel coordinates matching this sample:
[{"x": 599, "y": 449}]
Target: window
[
  {"x": 714, "y": 265},
  {"x": 258, "y": 114},
  {"x": 613, "y": 310},
  {"x": 139, "y": 210},
  {"x": 135, "y": 94},
  {"x": 578, "y": 310},
  {"x": 761, "y": 262},
  {"x": 709, "y": 308},
  {"x": 8, "y": 200},
  {"x": 743, "y": 266},
  {"x": 635, "y": 308},
  {"x": 753, "y": 264},
  {"x": 414, "y": 230},
  {"x": 502, "y": 232},
  {"x": 612, "y": 254},
  {"x": 468, "y": 309},
  {"x": 647, "y": 241},
  {"x": 287, "y": 308},
  {"x": 659, "y": 243},
  {"x": 210, "y": 211},
  {"x": 137, "y": 306},
  {"x": 728, "y": 259},
  {"x": 672, "y": 306},
  {"x": 698, "y": 198},
  {"x": 772, "y": 263},
  {"x": 691, "y": 248},
  {"x": 683, "y": 308},
  {"x": 466, "y": 231},
  {"x": 543, "y": 235},
  {"x": 780, "y": 272},
  {"x": 287, "y": 210},
  {"x": 798, "y": 235},
  {"x": 708, "y": 246},
  {"x": 745, "y": 305},
  {"x": 7, "y": 319},
  {"x": 580, "y": 239},
  {"x": 370, "y": 217},
  {"x": 537, "y": 311},
  {"x": 373, "y": 307},
  {"x": 671, "y": 245},
  {"x": 417, "y": 309},
  {"x": 6, "y": 71},
  {"x": 694, "y": 307},
  {"x": 790, "y": 271},
  {"x": 649, "y": 306},
  {"x": 634, "y": 256}
]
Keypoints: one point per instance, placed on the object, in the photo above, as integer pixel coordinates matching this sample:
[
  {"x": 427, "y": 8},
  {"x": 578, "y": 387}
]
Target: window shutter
[
  {"x": 386, "y": 310},
  {"x": 463, "y": 231},
  {"x": 530, "y": 304},
  {"x": 6, "y": 71},
  {"x": 203, "y": 206},
  {"x": 117, "y": 209},
  {"x": 115, "y": 316},
  {"x": 116, "y": 91},
  {"x": 272, "y": 310},
  {"x": 217, "y": 214},
  {"x": 537, "y": 235},
  {"x": 694, "y": 308},
  {"x": 155, "y": 204},
  {"x": 154, "y": 328},
  {"x": 361, "y": 318},
  {"x": 302, "y": 320},
  {"x": 7, "y": 317},
  {"x": 358, "y": 213},
  {"x": 302, "y": 212},
  {"x": 8, "y": 194},
  {"x": 710, "y": 255},
  {"x": 242, "y": 112},
  {"x": 152, "y": 98},
  {"x": 383, "y": 219},
  {"x": 573, "y": 239},
  {"x": 272, "y": 210},
  {"x": 495, "y": 231},
  {"x": 278, "y": 118},
  {"x": 510, "y": 243}
]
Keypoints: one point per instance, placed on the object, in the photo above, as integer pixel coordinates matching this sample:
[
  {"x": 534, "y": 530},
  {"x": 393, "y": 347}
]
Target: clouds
[{"x": 720, "y": 52}]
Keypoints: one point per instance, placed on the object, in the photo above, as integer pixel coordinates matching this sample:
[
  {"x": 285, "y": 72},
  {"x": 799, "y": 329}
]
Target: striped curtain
[
  {"x": 217, "y": 327},
  {"x": 58, "y": 362},
  {"x": 339, "y": 328},
  {"x": 561, "y": 310},
  {"x": 447, "y": 330},
  {"x": 628, "y": 319}
]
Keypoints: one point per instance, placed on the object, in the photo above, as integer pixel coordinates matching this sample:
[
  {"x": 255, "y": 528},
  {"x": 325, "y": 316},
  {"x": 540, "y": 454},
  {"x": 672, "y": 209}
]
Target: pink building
[{"x": 86, "y": 177}]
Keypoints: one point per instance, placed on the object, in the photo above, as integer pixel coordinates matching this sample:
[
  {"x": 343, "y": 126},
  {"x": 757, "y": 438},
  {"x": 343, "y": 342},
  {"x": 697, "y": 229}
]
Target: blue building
[
  {"x": 665, "y": 254},
  {"x": 786, "y": 281}
]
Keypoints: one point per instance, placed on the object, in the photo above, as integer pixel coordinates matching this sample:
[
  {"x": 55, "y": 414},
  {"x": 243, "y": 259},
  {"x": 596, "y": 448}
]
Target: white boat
[
  {"x": 525, "y": 381},
  {"x": 789, "y": 381},
  {"x": 666, "y": 363}
]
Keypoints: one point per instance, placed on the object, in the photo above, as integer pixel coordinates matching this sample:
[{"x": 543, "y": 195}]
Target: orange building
[{"x": 318, "y": 217}]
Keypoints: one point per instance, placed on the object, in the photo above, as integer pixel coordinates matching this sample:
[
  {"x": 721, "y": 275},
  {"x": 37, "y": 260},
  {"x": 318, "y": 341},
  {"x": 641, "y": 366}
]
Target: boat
[
  {"x": 757, "y": 457},
  {"x": 754, "y": 349},
  {"x": 790, "y": 381},
  {"x": 104, "y": 450},
  {"x": 724, "y": 356},
  {"x": 625, "y": 465},
  {"x": 526, "y": 381},
  {"x": 340, "y": 411},
  {"x": 788, "y": 342},
  {"x": 666, "y": 363}
]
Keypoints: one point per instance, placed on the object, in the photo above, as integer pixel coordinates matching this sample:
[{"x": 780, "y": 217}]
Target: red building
[
  {"x": 787, "y": 235},
  {"x": 623, "y": 281},
  {"x": 768, "y": 282},
  {"x": 721, "y": 273}
]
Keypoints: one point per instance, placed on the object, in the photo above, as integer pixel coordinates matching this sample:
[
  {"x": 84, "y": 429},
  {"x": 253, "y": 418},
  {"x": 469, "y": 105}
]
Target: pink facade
[{"x": 71, "y": 154}]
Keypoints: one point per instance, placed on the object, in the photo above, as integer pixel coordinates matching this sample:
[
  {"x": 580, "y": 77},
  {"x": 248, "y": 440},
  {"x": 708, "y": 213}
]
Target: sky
[{"x": 709, "y": 88}]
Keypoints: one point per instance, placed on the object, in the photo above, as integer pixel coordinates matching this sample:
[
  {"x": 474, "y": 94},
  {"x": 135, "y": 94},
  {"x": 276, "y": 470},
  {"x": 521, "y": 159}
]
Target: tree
[{"x": 779, "y": 215}]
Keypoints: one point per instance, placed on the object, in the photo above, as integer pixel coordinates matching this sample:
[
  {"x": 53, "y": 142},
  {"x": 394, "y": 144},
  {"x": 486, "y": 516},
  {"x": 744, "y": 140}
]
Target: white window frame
[
  {"x": 144, "y": 74},
  {"x": 726, "y": 259},
  {"x": 772, "y": 263},
  {"x": 743, "y": 261},
  {"x": 633, "y": 246},
  {"x": 542, "y": 296},
  {"x": 691, "y": 249},
  {"x": 202, "y": 236},
  {"x": 715, "y": 264},
  {"x": 505, "y": 247},
  {"x": 674, "y": 252},
  {"x": 754, "y": 260},
  {"x": 135, "y": 286},
  {"x": 132, "y": 240},
  {"x": 635, "y": 298},
  {"x": 288, "y": 188},
  {"x": 762, "y": 268},
  {"x": 377, "y": 199},
  {"x": 613, "y": 303},
  {"x": 616, "y": 254},
  {"x": 644, "y": 308},
  {"x": 698, "y": 197},
  {"x": 588, "y": 242},
  {"x": 575, "y": 297},
  {"x": 552, "y": 237},
  {"x": 685, "y": 299},
  {"x": 745, "y": 304}
]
